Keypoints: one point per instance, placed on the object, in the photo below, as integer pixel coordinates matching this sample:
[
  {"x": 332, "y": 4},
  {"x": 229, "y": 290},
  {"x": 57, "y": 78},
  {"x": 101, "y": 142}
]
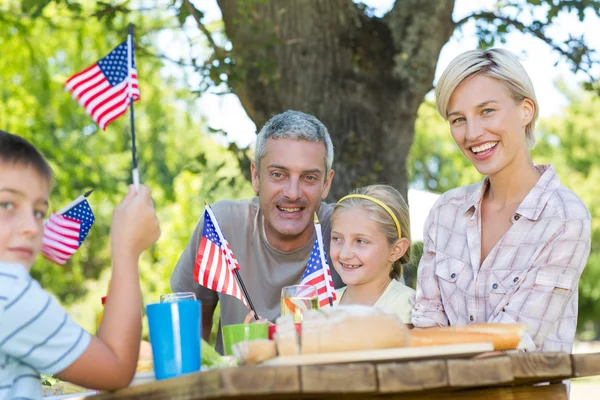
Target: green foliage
[
  {"x": 435, "y": 162},
  {"x": 536, "y": 17},
  {"x": 177, "y": 159},
  {"x": 571, "y": 143}
]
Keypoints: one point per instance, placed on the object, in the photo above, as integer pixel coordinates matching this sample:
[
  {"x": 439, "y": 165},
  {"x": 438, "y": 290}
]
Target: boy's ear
[{"x": 399, "y": 249}]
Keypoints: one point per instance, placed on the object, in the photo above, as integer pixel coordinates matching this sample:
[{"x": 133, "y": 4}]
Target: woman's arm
[{"x": 549, "y": 286}]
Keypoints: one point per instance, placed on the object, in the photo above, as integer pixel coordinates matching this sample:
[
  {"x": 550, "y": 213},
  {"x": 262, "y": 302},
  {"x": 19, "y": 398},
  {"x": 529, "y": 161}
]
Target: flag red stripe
[
  {"x": 64, "y": 230},
  {"x": 61, "y": 238},
  {"x": 63, "y": 253},
  {"x": 94, "y": 111},
  {"x": 79, "y": 74},
  {"x": 88, "y": 89},
  {"x": 218, "y": 266},
  {"x": 116, "y": 112},
  {"x": 84, "y": 83}
]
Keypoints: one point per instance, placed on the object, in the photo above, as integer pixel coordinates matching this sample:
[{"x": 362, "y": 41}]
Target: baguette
[{"x": 503, "y": 336}]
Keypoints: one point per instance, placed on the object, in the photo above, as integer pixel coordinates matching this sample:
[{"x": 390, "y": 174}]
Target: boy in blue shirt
[{"x": 36, "y": 333}]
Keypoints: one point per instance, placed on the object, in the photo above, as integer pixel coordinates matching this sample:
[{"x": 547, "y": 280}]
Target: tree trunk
[{"x": 363, "y": 77}]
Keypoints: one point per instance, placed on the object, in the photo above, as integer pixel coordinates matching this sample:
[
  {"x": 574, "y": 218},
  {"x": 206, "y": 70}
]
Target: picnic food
[
  {"x": 337, "y": 329},
  {"x": 254, "y": 351},
  {"x": 342, "y": 328},
  {"x": 286, "y": 336},
  {"x": 60, "y": 388},
  {"x": 503, "y": 336}
]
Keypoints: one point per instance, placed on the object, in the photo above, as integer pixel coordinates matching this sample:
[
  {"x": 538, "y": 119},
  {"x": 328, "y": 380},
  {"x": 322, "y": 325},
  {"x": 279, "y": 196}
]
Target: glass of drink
[
  {"x": 297, "y": 299},
  {"x": 178, "y": 296}
]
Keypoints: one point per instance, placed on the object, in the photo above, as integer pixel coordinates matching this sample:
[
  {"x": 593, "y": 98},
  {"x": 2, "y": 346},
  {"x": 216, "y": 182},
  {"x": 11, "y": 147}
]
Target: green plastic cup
[{"x": 236, "y": 333}]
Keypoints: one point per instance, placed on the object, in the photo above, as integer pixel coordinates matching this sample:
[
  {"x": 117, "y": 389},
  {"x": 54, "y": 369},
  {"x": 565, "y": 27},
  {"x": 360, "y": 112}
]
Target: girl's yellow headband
[{"x": 378, "y": 202}]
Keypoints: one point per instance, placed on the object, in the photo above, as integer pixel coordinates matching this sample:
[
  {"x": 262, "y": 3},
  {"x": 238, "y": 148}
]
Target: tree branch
[
  {"x": 219, "y": 51},
  {"x": 490, "y": 16}
]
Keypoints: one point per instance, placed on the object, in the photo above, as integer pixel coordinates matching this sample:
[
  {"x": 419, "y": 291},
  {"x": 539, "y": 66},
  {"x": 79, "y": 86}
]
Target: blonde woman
[
  {"x": 511, "y": 248},
  {"x": 370, "y": 240}
]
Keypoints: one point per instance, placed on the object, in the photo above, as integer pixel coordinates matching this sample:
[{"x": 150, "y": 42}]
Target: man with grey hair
[{"x": 272, "y": 234}]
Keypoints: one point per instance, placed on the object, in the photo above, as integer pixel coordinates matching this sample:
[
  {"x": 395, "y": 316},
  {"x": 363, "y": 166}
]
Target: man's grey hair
[{"x": 294, "y": 125}]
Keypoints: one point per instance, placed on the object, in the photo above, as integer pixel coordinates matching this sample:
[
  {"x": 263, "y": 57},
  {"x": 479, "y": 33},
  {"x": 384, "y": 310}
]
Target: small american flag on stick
[
  {"x": 104, "y": 89},
  {"x": 317, "y": 272},
  {"x": 65, "y": 231},
  {"x": 215, "y": 263}
]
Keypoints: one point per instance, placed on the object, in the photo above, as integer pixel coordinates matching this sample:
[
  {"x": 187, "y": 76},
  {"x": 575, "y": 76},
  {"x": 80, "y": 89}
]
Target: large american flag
[
  {"x": 104, "y": 88},
  {"x": 215, "y": 263},
  {"x": 317, "y": 272},
  {"x": 64, "y": 233}
]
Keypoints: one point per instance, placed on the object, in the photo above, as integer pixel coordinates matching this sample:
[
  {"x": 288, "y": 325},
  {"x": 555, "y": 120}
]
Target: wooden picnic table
[{"x": 508, "y": 376}]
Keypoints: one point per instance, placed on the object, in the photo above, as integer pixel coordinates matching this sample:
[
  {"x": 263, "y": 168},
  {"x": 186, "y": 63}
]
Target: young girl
[{"x": 370, "y": 240}]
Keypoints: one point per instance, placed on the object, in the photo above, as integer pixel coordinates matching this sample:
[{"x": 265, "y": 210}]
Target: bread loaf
[
  {"x": 503, "y": 336},
  {"x": 351, "y": 328}
]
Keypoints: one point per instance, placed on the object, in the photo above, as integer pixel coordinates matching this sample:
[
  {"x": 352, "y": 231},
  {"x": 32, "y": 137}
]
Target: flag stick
[
  {"x": 75, "y": 202},
  {"x": 135, "y": 172},
  {"x": 241, "y": 282}
]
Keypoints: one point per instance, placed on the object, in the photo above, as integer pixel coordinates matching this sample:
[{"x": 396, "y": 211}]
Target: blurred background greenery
[{"x": 186, "y": 163}]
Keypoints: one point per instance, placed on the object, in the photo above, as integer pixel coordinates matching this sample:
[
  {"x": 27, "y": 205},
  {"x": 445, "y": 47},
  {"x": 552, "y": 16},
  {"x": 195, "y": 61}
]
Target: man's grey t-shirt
[{"x": 264, "y": 269}]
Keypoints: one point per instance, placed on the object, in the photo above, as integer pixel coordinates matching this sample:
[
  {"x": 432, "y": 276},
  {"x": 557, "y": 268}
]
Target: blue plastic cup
[{"x": 175, "y": 332}]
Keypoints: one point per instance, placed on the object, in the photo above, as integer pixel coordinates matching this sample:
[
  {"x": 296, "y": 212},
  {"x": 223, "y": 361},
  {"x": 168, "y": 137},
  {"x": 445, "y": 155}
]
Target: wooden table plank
[
  {"x": 250, "y": 381},
  {"x": 554, "y": 392},
  {"x": 201, "y": 385},
  {"x": 585, "y": 364},
  {"x": 338, "y": 378},
  {"x": 479, "y": 372},
  {"x": 426, "y": 379},
  {"x": 538, "y": 367},
  {"x": 411, "y": 376}
]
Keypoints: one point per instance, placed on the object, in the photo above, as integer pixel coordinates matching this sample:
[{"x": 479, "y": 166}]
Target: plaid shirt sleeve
[
  {"x": 549, "y": 285},
  {"x": 429, "y": 309}
]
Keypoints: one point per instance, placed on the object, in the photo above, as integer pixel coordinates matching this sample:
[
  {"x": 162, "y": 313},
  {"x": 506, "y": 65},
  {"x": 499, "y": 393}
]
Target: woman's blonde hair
[
  {"x": 396, "y": 203},
  {"x": 498, "y": 64}
]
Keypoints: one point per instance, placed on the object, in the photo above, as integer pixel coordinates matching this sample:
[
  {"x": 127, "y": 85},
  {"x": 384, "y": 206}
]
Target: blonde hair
[
  {"x": 396, "y": 203},
  {"x": 499, "y": 64}
]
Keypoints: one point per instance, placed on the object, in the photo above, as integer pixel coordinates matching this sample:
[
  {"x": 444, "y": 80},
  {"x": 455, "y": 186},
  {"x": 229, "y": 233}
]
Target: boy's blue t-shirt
[{"x": 36, "y": 334}]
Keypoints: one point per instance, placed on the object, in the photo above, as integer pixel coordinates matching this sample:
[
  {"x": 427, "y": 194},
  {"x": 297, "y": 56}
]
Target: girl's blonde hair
[
  {"x": 396, "y": 203},
  {"x": 499, "y": 64}
]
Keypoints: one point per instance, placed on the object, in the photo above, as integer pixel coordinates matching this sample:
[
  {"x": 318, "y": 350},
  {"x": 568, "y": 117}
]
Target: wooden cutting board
[{"x": 401, "y": 353}]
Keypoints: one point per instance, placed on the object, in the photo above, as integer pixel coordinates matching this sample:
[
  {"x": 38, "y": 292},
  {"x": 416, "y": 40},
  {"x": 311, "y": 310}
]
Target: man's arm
[
  {"x": 550, "y": 284},
  {"x": 208, "y": 312}
]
